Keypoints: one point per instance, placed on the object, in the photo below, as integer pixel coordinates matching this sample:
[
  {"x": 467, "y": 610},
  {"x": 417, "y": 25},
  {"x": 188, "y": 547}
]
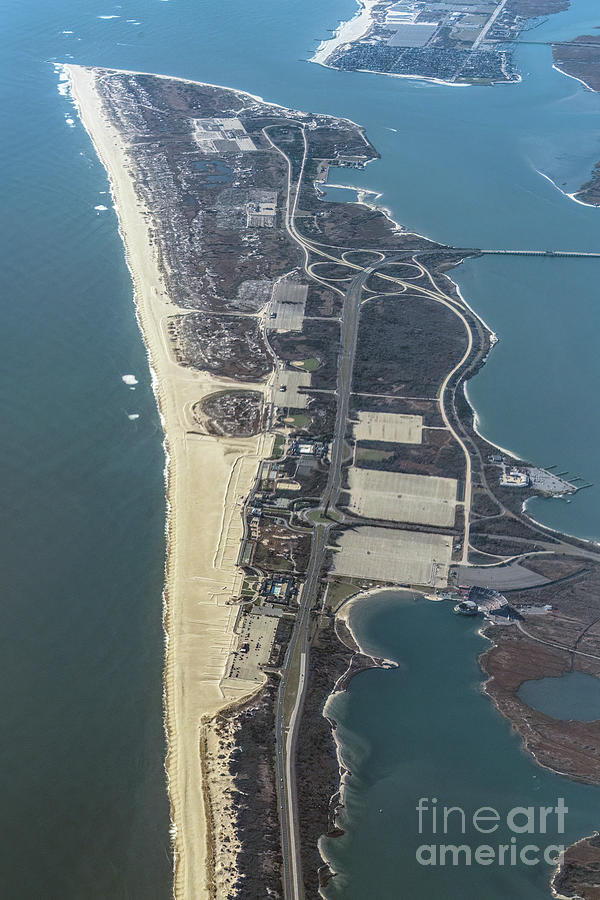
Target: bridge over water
[
  {"x": 475, "y": 251},
  {"x": 550, "y": 253}
]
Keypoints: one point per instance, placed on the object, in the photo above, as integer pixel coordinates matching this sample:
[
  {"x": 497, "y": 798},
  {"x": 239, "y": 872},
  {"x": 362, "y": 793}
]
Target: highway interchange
[{"x": 294, "y": 672}]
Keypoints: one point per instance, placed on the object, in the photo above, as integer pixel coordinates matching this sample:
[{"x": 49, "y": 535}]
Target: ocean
[{"x": 84, "y": 810}]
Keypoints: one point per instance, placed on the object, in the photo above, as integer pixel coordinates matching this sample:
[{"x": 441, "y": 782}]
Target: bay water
[{"x": 85, "y": 811}]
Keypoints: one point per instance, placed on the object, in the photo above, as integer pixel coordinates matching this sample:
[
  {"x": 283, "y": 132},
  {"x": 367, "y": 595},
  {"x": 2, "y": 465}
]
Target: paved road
[
  {"x": 348, "y": 339},
  {"x": 298, "y": 646},
  {"x": 285, "y": 739},
  {"x": 299, "y": 642}
]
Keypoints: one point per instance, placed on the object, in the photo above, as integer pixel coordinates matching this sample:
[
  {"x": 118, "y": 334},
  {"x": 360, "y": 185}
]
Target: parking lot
[
  {"x": 385, "y": 554},
  {"x": 399, "y": 497},
  {"x": 256, "y": 635}
]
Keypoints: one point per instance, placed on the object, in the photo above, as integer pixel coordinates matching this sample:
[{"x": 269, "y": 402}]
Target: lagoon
[
  {"x": 574, "y": 695},
  {"x": 425, "y": 730}
]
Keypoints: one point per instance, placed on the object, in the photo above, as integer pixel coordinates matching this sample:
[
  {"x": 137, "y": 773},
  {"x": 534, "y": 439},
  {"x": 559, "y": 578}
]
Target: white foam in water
[
  {"x": 109, "y": 17},
  {"x": 133, "y": 416},
  {"x": 101, "y": 208},
  {"x": 63, "y": 80},
  {"x": 129, "y": 379},
  {"x": 133, "y": 22},
  {"x": 70, "y": 121}
]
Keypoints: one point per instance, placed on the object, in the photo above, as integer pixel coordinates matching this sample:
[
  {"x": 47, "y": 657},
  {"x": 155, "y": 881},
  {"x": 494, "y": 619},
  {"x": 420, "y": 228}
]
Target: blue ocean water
[{"x": 84, "y": 811}]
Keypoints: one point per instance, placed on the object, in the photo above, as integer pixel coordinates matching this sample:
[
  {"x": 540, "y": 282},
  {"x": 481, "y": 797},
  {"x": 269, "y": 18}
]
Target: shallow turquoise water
[
  {"x": 84, "y": 810},
  {"x": 572, "y": 696}
]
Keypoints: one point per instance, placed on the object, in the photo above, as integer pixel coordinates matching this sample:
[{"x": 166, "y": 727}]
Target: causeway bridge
[
  {"x": 551, "y": 253},
  {"x": 476, "y": 251}
]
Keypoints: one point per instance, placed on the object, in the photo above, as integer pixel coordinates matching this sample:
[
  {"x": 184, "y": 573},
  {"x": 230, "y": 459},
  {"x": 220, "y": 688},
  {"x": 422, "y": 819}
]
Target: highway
[
  {"x": 286, "y": 737},
  {"x": 299, "y": 643},
  {"x": 488, "y": 25},
  {"x": 293, "y": 684},
  {"x": 348, "y": 339}
]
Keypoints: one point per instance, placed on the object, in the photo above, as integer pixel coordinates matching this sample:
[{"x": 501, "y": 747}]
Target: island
[
  {"x": 309, "y": 361},
  {"x": 445, "y": 41},
  {"x": 580, "y": 59}
]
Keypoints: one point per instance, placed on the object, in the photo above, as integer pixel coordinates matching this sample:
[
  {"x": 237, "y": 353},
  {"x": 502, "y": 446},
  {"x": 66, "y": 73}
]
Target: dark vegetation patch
[
  {"x": 322, "y": 409},
  {"x": 380, "y": 285},
  {"x": 279, "y": 549},
  {"x": 497, "y": 545},
  {"x": 232, "y": 413},
  {"x": 317, "y": 765},
  {"x": 363, "y": 257},
  {"x": 229, "y": 346},
  {"x": 483, "y": 505},
  {"x": 580, "y": 58},
  {"x": 318, "y": 340},
  {"x": 332, "y": 270},
  {"x": 439, "y": 454},
  {"x": 252, "y": 766},
  {"x": 579, "y": 874},
  {"x": 407, "y": 345},
  {"x": 323, "y": 302},
  {"x": 508, "y": 525},
  {"x": 406, "y": 271}
]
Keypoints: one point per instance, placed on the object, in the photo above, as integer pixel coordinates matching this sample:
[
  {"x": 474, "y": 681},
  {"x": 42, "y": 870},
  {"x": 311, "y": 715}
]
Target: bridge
[
  {"x": 475, "y": 251},
  {"x": 551, "y": 253},
  {"x": 594, "y": 44}
]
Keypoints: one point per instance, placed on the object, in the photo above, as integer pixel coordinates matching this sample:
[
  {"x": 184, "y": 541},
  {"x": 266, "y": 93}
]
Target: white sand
[{"x": 346, "y": 32}]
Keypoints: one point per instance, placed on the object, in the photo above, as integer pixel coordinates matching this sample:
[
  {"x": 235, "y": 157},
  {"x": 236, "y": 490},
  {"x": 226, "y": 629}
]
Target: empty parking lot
[
  {"x": 256, "y": 635},
  {"x": 385, "y": 554},
  {"x": 399, "y": 497},
  {"x": 389, "y": 427}
]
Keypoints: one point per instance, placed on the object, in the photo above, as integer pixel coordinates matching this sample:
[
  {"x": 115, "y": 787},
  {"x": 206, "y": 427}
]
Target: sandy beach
[
  {"x": 207, "y": 480},
  {"x": 346, "y": 32}
]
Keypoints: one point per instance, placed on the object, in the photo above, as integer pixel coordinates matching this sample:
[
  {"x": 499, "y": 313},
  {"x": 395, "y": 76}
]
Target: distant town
[{"x": 453, "y": 41}]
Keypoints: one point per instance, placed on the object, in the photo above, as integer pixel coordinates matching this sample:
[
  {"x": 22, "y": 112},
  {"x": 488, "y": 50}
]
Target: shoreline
[
  {"x": 347, "y": 30},
  {"x": 343, "y": 614},
  {"x": 148, "y": 311},
  {"x": 204, "y": 479},
  {"x": 526, "y": 748},
  {"x": 351, "y": 30},
  {"x": 574, "y": 77},
  {"x": 368, "y": 661},
  {"x": 571, "y": 196}
]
